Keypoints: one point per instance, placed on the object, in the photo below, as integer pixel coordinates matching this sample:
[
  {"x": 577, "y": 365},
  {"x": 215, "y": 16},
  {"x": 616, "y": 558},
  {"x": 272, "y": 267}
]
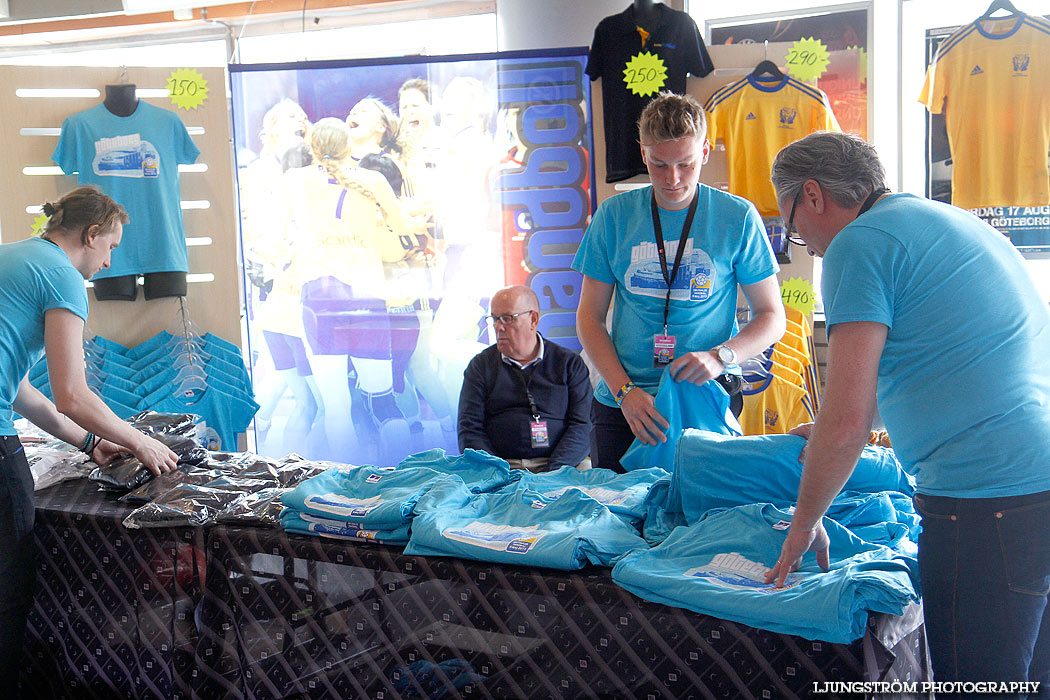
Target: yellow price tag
[
  {"x": 807, "y": 59},
  {"x": 862, "y": 59},
  {"x": 188, "y": 88},
  {"x": 645, "y": 74},
  {"x": 798, "y": 293},
  {"x": 37, "y": 229}
]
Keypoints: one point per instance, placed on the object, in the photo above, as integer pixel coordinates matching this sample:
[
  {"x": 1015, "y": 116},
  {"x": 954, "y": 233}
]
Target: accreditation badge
[
  {"x": 663, "y": 350},
  {"x": 538, "y": 429}
]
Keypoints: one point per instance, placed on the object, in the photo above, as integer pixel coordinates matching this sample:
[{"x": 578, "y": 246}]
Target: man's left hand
[{"x": 696, "y": 367}]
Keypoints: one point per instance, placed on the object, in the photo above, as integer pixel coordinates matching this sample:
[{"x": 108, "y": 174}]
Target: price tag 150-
[{"x": 188, "y": 88}]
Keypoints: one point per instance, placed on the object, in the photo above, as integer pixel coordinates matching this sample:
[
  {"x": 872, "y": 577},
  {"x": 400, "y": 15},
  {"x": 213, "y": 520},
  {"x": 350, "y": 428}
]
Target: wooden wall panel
[{"x": 214, "y": 306}]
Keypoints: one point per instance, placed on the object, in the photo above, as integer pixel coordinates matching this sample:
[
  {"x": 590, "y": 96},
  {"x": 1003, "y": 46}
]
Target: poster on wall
[
  {"x": 382, "y": 204},
  {"x": 1026, "y": 224}
]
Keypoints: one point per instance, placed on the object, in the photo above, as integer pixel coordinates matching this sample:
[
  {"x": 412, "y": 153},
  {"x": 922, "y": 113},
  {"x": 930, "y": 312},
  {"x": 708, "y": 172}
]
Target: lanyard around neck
[
  {"x": 872, "y": 198},
  {"x": 669, "y": 279}
]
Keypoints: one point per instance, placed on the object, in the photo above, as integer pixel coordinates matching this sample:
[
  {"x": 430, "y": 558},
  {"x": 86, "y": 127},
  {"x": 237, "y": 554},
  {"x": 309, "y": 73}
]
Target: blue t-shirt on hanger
[{"x": 135, "y": 160}]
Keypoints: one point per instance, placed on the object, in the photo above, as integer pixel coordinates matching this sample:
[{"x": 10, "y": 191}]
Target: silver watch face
[{"x": 726, "y": 355}]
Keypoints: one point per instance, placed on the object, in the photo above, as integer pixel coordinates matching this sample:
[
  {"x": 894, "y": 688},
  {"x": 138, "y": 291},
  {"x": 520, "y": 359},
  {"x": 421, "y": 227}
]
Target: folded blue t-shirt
[
  {"x": 523, "y": 527},
  {"x": 378, "y": 498},
  {"x": 625, "y": 495},
  {"x": 717, "y": 567},
  {"x": 305, "y": 524},
  {"x": 479, "y": 470},
  {"x": 684, "y": 405},
  {"x": 719, "y": 471},
  {"x": 886, "y": 518}
]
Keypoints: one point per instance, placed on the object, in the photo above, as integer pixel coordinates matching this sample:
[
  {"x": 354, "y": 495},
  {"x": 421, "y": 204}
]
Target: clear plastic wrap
[
  {"x": 259, "y": 509},
  {"x": 153, "y": 423},
  {"x": 127, "y": 472}
]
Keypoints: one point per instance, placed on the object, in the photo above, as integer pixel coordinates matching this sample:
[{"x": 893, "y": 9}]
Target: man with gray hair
[
  {"x": 525, "y": 398},
  {"x": 674, "y": 256},
  {"x": 931, "y": 315}
]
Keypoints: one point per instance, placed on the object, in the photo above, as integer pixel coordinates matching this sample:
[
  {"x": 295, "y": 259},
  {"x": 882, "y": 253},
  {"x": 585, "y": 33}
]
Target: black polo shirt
[{"x": 675, "y": 40}]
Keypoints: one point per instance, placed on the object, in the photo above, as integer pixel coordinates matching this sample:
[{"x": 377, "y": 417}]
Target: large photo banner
[{"x": 382, "y": 204}]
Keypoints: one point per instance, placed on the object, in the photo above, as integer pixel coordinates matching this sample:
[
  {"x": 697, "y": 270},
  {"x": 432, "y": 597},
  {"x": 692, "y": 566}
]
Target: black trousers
[{"x": 17, "y": 561}]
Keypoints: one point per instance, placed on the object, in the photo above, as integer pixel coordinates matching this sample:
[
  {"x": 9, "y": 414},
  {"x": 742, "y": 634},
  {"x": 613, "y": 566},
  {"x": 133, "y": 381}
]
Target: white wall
[{"x": 546, "y": 24}]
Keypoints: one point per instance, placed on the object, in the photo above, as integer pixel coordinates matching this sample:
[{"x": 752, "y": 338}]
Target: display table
[{"x": 257, "y": 613}]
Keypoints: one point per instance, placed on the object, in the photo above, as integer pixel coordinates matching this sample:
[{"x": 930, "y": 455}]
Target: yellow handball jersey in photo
[
  {"x": 991, "y": 79},
  {"x": 755, "y": 119}
]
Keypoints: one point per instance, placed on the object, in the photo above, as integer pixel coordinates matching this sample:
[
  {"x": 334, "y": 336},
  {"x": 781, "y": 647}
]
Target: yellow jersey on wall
[
  {"x": 755, "y": 119},
  {"x": 991, "y": 79}
]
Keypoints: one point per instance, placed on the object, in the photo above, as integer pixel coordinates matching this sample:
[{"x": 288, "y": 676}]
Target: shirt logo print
[
  {"x": 1021, "y": 61},
  {"x": 750, "y": 115},
  {"x": 787, "y": 117},
  {"x": 976, "y": 70}
]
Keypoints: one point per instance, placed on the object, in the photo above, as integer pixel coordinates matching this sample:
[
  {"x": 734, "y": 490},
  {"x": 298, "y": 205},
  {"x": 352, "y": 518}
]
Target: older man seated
[{"x": 525, "y": 399}]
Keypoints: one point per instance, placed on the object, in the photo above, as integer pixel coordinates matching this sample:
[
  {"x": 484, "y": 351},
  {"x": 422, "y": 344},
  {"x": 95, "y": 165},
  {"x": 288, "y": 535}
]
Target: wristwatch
[{"x": 726, "y": 355}]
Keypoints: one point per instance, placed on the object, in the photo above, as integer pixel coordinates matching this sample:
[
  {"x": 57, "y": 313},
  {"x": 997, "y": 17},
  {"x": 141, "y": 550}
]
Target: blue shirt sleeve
[
  {"x": 64, "y": 289},
  {"x": 756, "y": 261},
  {"x": 65, "y": 154},
  {"x": 592, "y": 257},
  {"x": 859, "y": 278}
]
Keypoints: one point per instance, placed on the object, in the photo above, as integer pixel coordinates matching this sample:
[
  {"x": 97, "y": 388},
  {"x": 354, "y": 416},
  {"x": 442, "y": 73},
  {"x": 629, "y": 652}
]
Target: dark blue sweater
[{"x": 494, "y": 411}]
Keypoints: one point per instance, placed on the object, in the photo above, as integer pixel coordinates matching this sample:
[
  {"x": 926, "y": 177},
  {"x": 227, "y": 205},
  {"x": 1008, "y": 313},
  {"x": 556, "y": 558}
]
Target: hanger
[
  {"x": 767, "y": 70},
  {"x": 1001, "y": 5},
  {"x": 186, "y": 342}
]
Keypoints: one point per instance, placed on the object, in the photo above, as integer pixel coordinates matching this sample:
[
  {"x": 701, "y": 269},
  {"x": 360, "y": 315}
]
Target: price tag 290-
[{"x": 807, "y": 59}]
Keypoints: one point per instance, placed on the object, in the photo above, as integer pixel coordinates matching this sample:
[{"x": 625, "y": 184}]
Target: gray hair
[{"x": 845, "y": 166}]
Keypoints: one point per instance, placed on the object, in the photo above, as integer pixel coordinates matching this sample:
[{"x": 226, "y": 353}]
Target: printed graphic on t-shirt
[
  {"x": 732, "y": 570},
  {"x": 126, "y": 156},
  {"x": 504, "y": 538},
  {"x": 343, "y": 506},
  {"x": 694, "y": 281}
]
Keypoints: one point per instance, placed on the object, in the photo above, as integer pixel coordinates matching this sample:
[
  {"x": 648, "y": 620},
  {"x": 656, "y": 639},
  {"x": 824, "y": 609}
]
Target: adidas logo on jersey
[
  {"x": 750, "y": 115},
  {"x": 976, "y": 70}
]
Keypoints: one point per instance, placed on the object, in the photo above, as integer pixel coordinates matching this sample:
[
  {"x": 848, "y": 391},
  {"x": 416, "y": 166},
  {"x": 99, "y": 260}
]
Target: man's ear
[
  {"x": 814, "y": 193},
  {"x": 92, "y": 232}
]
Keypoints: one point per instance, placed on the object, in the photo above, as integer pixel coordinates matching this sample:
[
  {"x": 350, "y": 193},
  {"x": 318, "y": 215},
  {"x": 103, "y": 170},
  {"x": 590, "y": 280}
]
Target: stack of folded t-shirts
[
  {"x": 625, "y": 495},
  {"x": 717, "y": 566},
  {"x": 524, "y": 527},
  {"x": 377, "y": 504}
]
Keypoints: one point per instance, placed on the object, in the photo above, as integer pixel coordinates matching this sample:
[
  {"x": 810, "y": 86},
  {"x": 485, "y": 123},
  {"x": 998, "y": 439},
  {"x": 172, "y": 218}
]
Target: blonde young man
[{"x": 682, "y": 317}]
